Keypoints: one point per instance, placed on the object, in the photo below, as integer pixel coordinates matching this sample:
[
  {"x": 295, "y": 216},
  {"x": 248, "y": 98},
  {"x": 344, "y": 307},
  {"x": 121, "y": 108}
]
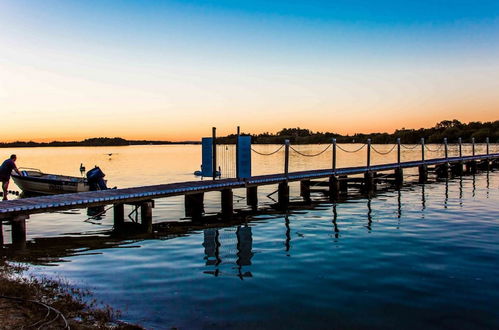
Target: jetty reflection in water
[
  {"x": 230, "y": 246},
  {"x": 421, "y": 253},
  {"x": 225, "y": 243}
]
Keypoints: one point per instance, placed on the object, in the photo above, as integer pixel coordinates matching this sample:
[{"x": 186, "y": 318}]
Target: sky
[{"x": 170, "y": 70}]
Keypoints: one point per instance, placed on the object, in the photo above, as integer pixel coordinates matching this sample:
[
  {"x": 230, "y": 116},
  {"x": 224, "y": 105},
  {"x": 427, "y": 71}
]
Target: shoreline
[{"x": 26, "y": 301}]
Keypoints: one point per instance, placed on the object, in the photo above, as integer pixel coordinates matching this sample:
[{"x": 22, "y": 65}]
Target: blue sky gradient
[{"x": 336, "y": 61}]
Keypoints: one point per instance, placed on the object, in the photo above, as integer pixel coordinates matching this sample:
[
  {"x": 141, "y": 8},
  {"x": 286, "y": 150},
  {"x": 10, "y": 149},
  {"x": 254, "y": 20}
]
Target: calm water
[{"x": 422, "y": 257}]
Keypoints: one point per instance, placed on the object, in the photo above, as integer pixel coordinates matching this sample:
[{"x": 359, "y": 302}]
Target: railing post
[
  {"x": 286, "y": 157},
  {"x": 446, "y": 148},
  {"x": 214, "y": 145},
  {"x": 460, "y": 141},
  {"x": 487, "y": 141},
  {"x": 422, "y": 149},
  {"x": 237, "y": 152},
  {"x": 398, "y": 151},
  {"x": 368, "y": 153},
  {"x": 473, "y": 146},
  {"x": 334, "y": 155}
]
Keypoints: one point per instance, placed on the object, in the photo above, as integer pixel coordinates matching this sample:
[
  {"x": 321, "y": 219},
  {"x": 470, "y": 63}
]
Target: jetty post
[
  {"x": 238, "y": 132},
  {"x": 119, "y": 215},
  {"x": 457, "y": 168},
  {"x": 399, "y": 172},
  {"x": 471, "y": 165},
  {"x": 252, "y": 196},
  {"x": 443, "y": 169},
  {"x": 214, "y": 152},
  {"x": 305, "y": 190},
  {"x": 283, "y": 188},
  {"x": 227, "y": 203},
  {"x": 369, "y": 183},
  {"x": 18, "y": 226},
  {"x": 194, "y": 205},
  {"x": 146, "y": 216},
  {"x": 485, "y": 163},
  {"x": 334, "y": 183},
  {"x": 423, "y": 168}
]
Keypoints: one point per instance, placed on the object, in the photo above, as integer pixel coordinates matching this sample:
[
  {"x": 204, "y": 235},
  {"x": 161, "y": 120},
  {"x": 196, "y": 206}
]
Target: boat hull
[{"x": 40, "y": 185}]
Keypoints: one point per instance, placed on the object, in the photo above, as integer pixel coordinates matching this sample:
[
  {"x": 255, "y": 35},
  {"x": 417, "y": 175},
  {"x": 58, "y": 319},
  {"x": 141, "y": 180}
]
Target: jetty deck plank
[{"x": 26, "y": 206}]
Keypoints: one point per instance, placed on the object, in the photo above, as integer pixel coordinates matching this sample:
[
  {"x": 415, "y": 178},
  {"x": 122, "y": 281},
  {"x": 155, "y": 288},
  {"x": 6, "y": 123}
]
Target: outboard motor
[{"x": 95, "y": 179}]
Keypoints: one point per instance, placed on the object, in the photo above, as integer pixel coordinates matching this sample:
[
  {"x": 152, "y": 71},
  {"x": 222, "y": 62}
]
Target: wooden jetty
[{"x": 15, "y": 212}]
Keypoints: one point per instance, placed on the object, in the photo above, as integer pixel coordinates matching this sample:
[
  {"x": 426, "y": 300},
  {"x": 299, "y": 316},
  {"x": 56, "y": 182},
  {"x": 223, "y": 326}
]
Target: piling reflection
[
  {"x": 446, "y": 199},
  {"x": 399, "y": 207},
  {"x": 423, "y": 200},
  {"x": 461, "y": 191},
  {"x": 369, "y": 215},
  {"x": 228, "y": 247},
  {"x": 335, "y": 224},
  {"x": 287, "y": 241}
]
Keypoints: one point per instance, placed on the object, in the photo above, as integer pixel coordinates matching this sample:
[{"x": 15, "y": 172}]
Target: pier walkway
[{"x": 26, "y": 206}]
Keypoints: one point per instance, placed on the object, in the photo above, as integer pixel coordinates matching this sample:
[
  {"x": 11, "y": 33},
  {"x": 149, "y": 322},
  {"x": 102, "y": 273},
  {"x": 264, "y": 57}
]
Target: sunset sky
[{"x": 171, "y": 70}]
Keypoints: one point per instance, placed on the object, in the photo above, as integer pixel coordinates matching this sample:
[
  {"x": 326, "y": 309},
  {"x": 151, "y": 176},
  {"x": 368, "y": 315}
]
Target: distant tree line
[
  {"x": 450, "y": 129},
  {"x": 93, "y": 142}
]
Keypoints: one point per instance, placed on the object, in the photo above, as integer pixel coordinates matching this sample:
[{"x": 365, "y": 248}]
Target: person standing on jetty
[{"x": 5, "y": 170}]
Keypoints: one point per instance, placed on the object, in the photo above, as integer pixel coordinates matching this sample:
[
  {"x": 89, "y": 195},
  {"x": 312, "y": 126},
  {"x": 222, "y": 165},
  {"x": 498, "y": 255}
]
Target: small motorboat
[{"x": 35, "y": 181}]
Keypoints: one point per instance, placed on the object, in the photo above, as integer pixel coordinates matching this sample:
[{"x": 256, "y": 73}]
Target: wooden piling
[
  {"x": 399, "y": 176},
  {"x": 305, "y": 190},
  {"x": 343, "y": 184},
  {"x": 227, "y": 203},
  {"x": 18, "y": 225},
  {"x": 423, "y": 173},
  {"x": 194, "y": 205},
  {"x": 119, "y": 215},
  {"x": 146, "y": 216},
  {"x": 457, "y": 168},
  {"x": 471, "y": 167},
  {"x": 334, "y": 187},
  {"x": 442, "y": 170},
  {"x": 369, "y": 182},
  {"x": 283, "y": 195},
  {"x": 252, "y": 196}
]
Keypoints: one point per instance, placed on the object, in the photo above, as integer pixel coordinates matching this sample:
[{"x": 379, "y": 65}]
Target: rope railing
[
  {"x": 406, "y": 146},
  {"x": 267, "y": 154},
  {"x": 230, "y": 163},
  {"x": 310, "y": 155},
  {"x": 434, "y": 150},
  {"x": 351, "y": 151},
  {"x": 383, "y": 152}
]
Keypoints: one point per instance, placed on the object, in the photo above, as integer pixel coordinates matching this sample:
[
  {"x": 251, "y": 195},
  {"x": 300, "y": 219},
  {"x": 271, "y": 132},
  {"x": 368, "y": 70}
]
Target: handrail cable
[
  {"x": 310, "y": 155},
  {"x": 381, "y": 152},
  {"x": 434, "y": 150},
  {"x": 405, "y": 146},
  {"x": 351, "y": 151},
  {"x": 269, "y": 154}
]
